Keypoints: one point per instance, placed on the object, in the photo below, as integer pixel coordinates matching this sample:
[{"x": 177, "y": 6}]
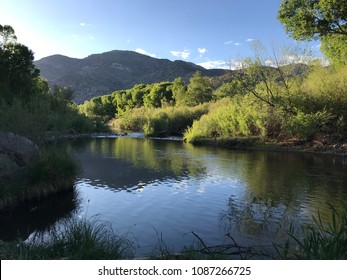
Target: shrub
[
  {"x": 156, "y": 125},
  {"x": 236, "y": 117}
]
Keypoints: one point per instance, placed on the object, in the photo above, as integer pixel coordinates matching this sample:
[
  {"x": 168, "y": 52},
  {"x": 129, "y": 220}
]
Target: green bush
[
  {"x": 162, "y": 121},
  {"x": 228, "y": 118},
  {"x": 156, "y": 125}
]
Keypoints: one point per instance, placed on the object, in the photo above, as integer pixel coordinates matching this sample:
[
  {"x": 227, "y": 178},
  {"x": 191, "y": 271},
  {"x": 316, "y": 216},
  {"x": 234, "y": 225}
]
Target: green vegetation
[
  {"x": 74, "y": 240},
  {"x": 161, "y": 121},
  {"x": 288, "y": 101},
  {"x": 54, "y": 172},
  {"x": 325, "y": 20},
  {"x": 321, "y": 241},
  {"x": 29, "y": 108}
]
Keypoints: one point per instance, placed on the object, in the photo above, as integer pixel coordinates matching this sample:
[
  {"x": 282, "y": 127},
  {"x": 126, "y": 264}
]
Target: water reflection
[
  {"x": 125, "y": 162},
  {"x": 37, "y": 216}
]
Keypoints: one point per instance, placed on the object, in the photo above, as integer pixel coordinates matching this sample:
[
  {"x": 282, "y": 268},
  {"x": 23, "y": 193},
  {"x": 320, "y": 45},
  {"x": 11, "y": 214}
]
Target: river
[{"x": 155, "y": 190}]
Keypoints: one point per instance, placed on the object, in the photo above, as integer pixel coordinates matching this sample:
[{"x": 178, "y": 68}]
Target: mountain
[{"x": 100, "y": 74}]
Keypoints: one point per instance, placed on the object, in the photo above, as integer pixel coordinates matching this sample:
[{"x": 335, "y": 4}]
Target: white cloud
[
  {"x": 237, "y": 44},
  {"x": 142, "y": 51},
  {"x": 84, "y": 24},
  {"x": 181, "y": 54},
  {"x": 202, "y": 50},
  {"x": 250, "y": 40},
  {"x": 228, "y": 42},
  {"x": 220, "y": 64}
]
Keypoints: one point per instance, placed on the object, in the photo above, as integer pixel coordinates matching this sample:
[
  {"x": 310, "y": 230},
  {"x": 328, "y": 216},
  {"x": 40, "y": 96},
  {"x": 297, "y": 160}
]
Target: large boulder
[
  {"x": 7, "y": 166},
  {"x": 16, "y": 151}
]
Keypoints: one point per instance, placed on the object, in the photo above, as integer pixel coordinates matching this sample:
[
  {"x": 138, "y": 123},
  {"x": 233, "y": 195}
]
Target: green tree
[
  {"x": 63, "y": 93},
  {"x": 179, "y": 91},
  {"x": 160, "y": 93},
  {"x": 199, "y": 89},
  {"x": 18, "y": 74},
  {"x": 324, "y": 20}
]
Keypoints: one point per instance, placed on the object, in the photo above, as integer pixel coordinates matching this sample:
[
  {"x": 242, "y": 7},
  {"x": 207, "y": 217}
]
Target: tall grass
[
  {"x": 321, "y": 241},
  {"x": 74, "y": 240},
  {"x": 54, "y": 172}
]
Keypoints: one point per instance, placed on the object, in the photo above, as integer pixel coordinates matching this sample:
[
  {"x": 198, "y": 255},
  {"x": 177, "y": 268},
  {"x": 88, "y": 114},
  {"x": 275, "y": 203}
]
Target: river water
[{"x": 155, "y": 190}]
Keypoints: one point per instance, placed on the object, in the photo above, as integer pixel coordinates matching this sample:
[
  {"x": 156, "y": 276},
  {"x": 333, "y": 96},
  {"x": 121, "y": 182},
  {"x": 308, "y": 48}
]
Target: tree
[
  {"x": 199, "y": 89},
  {"x": 63, "y": 93},
  {"x": 18, "y": 74},
  {"x": 6, "y": 34},
  {"x": 324, "y": 20},
  {"x": 179, "y": 91}
]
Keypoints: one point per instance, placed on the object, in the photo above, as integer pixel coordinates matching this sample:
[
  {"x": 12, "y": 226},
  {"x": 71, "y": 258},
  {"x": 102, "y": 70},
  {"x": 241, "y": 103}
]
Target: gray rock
[
  {"x": 7, "y": 166},
  {"x": 18, "y": 149}
]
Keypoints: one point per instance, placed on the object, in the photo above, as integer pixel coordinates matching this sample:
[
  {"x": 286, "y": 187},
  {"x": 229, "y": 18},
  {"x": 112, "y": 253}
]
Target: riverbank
[
  {"x": 52, "y": 173},
  {"x": 318, "y": 146}
]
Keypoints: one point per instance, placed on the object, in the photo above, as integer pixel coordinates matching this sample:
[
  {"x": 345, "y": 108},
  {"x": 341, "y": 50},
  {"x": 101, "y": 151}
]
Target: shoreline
[
  {"x": 313, "y": 147},
  {"x": 336, "y": 149}
]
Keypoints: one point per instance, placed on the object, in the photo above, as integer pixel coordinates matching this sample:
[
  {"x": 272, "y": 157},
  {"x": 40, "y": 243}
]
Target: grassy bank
[{"x": 54, "y": 172}]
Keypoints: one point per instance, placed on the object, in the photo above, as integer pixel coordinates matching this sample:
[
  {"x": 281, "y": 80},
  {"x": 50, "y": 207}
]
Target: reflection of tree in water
[
  {"x": 283, "y": 189},
  {"x": 162, "y": 156},
  {"x": 255, "y": 221}
]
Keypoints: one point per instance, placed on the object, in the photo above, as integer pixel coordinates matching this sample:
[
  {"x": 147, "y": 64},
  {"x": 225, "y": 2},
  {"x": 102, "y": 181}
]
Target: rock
[
  {"x": 7, "y": 166},
  {"x": 18, "y": 149}
]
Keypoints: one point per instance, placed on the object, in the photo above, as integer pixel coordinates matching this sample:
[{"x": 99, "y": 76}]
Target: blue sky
[{"x": 212, "y": 33}]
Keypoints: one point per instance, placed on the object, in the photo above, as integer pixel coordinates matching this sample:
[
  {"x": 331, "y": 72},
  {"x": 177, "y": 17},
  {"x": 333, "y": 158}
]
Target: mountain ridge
[{"x": 100, "y": 74}]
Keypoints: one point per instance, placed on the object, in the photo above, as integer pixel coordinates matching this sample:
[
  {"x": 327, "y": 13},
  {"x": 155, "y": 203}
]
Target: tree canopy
[
  {"x": 18, "y": 74},
  {"x": 324, "y": 20}
]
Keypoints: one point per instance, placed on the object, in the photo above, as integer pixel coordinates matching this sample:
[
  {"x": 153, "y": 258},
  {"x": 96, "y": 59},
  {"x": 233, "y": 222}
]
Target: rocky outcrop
[{"x": 15, "y": 152}]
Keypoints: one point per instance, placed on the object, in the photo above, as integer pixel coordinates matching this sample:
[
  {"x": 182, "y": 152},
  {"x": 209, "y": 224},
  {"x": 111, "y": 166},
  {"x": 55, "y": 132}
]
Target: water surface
[{"x": 166, "y": 189}]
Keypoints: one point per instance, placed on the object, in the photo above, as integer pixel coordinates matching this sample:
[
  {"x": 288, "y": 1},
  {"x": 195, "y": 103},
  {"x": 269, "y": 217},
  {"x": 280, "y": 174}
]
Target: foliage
[
  {"x": 237, "y": 117},
  {"x": 159, "y": 94},
  {"x": 199, "y": 90},
  {"x": 324, "y": 93},
  {"x": 79, "y": 239},
  {"x": 54, "y": 172},
  {"x": 18, "y": 74},
  {"x": 42, "y": 117},
  {"x": 162, "y": 121},
  {"x": 318, "y": 19},
  {"x": 156, "y": 125},
  {"x": 27, "y": 105},
  {"x": 320, "y": 241},
  {"x": 53, "y": 166},
  {"x": 179, "y": 91}
]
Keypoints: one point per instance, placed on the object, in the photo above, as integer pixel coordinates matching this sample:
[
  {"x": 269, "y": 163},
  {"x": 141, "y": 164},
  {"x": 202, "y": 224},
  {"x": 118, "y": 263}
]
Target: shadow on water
[{"x": 38, "y": 216}]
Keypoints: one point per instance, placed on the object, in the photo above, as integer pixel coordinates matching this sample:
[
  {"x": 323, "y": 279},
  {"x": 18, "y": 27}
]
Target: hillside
[{"x": 100, "y": 74}]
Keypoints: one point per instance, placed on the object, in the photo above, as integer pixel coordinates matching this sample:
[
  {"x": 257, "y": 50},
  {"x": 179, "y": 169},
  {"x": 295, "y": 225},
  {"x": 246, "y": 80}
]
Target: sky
[{"x": 211, "y": 33}]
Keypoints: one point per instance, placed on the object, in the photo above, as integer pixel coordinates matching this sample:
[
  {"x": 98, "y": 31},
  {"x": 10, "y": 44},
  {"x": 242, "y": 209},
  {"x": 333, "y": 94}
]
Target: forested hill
[{"x": 100, "y": 74}]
